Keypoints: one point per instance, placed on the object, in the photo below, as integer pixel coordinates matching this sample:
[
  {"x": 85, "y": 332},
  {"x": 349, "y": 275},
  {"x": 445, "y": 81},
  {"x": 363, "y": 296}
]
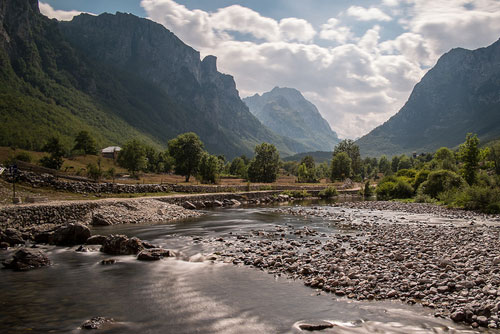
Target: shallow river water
[{"x": 177, "y": 296}]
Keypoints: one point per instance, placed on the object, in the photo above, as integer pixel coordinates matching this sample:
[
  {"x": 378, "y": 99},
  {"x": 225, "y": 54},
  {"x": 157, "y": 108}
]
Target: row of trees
[{"x": 468, "y": 178}]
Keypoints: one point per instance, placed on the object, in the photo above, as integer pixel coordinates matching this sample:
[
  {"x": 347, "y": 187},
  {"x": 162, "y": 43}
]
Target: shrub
[
  {"x": 402, "y": 189},
  {"x": 410, "y": 173},
  {"x": 23, "y": 156},
  {"x": 328, "y": 193},
  {"x": 368, "y": 191},
  {"x": 420, "y": 178},
  {"x": 441, "y": 180},
  {"x": 394, "y": 187},
  {"x": 266, "y": 187},
  {"x": 300, "y": 194},
  {"x": 385, "y": 190}
]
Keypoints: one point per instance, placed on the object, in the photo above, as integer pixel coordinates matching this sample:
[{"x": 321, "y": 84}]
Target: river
[{"x": 177, "y": 296}]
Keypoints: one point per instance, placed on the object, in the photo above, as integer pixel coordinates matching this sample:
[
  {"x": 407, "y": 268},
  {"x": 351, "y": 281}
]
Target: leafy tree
[
  {"x": 384, "y": 165},
  {"x": 439, "y": 181},
  {"x": 307, "y": 170},
  {"x": 404, "y": 162},
  {"x": 85, "y": 143},
  {"x": 469, "y": 155},
  {"x": 186, "y": 150},
  {"x": 291, "y": 167},
  {"x": 264, "y": 167},
  {"x": 445, "y": 159},
  {"x": 111, "y": 173},
  {"x": 166, "y": 162},
  {"x": 56, "y": 150},
  {"x": 495, "y": 156},
  {"x": 395, "y": 163},
  {"x": 348, "y": 146},
  {"x": 367, "y": 192},
  {"x": 94, "y": 172},
  {"x": 209, "y": 168},
  {"x": 341, "y": 166},
  {"x": 238, "y": 167},
  {"x": 323, "y": 171},
  {"x": 133, "y": 156}
]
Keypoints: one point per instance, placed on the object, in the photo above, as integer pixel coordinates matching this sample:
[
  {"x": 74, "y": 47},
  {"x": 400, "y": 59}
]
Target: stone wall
[
  {"x": 80, "y": 187},
  {"x": 23, "y": 216}
]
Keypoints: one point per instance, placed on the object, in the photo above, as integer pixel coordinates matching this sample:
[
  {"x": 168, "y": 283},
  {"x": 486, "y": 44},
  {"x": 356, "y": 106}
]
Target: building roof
[{"x": 111, "y": 149}]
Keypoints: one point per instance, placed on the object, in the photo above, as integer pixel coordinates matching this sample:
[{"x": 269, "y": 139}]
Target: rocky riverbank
[{"x": 453, "y": 269}]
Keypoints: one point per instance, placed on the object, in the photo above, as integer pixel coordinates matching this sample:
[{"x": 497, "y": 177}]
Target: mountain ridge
[
  {"x": 460, "y": 94},
  {"x": 286, "y": 112},
  {"x": 119, "y": 77}
]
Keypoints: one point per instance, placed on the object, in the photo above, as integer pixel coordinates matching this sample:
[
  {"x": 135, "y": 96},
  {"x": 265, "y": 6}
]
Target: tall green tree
[
  {"x": 209, "y": 168},
  {"x": 186, "y": 149},
  {"x": 469, "y": 155},
  {"x": 85, "y": 143},
  {"x": 307, "y": 170},
  {"x": 56, "y": 150},
  {"x": 341, "y": 166},
  {"x": 133, "y": 156},
  {"x": 239, "y": 168},
  {"x": 384, "y": 166},
  {"x": 264, "y": 167},
  {"x": 348, "y": 146},
  {"x": 495, "y": 156}
]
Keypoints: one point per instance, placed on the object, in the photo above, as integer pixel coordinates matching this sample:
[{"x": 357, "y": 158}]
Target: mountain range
[
  {"x": 460, "y": 94},
  {"x": 118, "y": 77},
  {"x": 286, "y": 112}
]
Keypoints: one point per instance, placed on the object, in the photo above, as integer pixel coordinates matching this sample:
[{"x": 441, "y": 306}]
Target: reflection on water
[{"x": 174, "y": 296}]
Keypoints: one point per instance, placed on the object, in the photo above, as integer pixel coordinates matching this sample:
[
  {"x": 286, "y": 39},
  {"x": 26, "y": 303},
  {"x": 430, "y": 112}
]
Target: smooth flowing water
[{"x": 177, "y": 296}]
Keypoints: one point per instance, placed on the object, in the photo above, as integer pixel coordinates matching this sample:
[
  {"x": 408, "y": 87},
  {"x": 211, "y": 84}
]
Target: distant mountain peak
[{"x": 285, "y": 111}]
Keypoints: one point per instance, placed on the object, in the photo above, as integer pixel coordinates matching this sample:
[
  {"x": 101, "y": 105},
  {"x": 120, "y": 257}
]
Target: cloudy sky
[{"x": 356, "y": 60}]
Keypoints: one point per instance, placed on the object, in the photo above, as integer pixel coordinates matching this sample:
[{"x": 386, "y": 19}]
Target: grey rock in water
[
  {"x": 96, "y": 240},
  {"x": 153, "y": 254},
  {"x": 96, "y": 323},
  {"x": 26, "y": 259},
  {"x": 70, "y": 234},
  {"x": 11, "y": 236},
  {"x": 122, "y": 245}
]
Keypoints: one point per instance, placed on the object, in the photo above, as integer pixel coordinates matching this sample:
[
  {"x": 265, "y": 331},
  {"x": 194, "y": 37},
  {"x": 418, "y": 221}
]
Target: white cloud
[
  {"x": 367, "y": 14},
  {"x": 333, "y": 31},
  {"x": 356, "y": 82},
  {"x": 293, "y": 29},
  {"x": 60, "y": 15}
]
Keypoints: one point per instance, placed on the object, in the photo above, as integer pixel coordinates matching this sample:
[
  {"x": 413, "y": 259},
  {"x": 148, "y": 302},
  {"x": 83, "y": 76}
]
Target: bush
[
  {"x": 441, "y": 180},
  {"x": 420, "y": 178},
  {"x": 368, "y": 191},
  {"x": 328, "y": 193},
  {"x": 394, "y": 187},
  {"x": 300, "y": 194},
  {"x": 23, "y": 156},
  {"x": 385, "y": 190},
  {"x": 410, "y": 173},
  {"x": 266, "y": 187}
]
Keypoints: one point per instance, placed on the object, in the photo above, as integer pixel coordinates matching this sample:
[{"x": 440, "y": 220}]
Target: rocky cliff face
[
  {"x": 288, "y": 113},
  {"x": 119, "y": 77},
  {"x": 460, "y": 94},
  {"x": 202, "y": 99}
]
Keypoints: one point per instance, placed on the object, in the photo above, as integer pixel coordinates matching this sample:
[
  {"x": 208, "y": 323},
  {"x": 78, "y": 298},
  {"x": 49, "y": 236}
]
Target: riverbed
[{"x": 192, "y": 294}]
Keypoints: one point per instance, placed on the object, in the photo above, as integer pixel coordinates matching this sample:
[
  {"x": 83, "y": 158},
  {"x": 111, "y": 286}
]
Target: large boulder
[
  {"x": 101, "y": 220},
  {"x": 153, "y": 254},
  {"x": 70, "y": 235},
  {"x": 96, "y": 240},
  {"x": 122, "y": 245},
  {"x": 26, "y": 259},
  {"x": 11, "y": 236}
]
